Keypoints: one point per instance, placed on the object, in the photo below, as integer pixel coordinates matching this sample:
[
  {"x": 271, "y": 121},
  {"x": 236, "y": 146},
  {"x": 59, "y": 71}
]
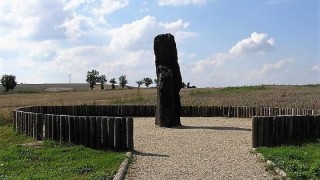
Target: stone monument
[{"x": 168, "y": 104}]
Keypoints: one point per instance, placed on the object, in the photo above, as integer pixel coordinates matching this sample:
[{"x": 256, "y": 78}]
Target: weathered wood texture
[{"x": 278, "y": 130}]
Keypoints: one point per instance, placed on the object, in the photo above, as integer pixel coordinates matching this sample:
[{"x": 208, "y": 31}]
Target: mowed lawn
[{"x": 22, "y": 157}]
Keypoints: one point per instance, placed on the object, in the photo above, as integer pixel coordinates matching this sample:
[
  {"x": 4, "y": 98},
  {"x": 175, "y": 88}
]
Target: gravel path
[{"x": 205, "y": 148}]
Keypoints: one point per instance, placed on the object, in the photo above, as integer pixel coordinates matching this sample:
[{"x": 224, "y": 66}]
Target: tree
[
  {"x": 92, "y": 78},
  {"x": 8, "y": 82},
  {"x": 102, "y": 80},
  {"x": 139, "y": 83},
  {"x": 147, "y": 81},
  {"x": 113, "y": 81},
  {"x": 188, "y": 85},
  {"x": 184, "y": 85},
  {"x": 123, "y": 81},
  {"x": 156, "y": 82}
]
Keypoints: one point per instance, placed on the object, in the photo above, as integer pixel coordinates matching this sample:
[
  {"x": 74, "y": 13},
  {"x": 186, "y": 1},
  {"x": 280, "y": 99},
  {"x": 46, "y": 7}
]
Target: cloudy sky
[{"x": 219, "y": 42}]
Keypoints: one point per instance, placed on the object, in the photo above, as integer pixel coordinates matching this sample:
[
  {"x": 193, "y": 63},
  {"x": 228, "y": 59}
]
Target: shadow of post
[
  {"x": 149, "y": 154},
  {"x": 220, "y": 128}
]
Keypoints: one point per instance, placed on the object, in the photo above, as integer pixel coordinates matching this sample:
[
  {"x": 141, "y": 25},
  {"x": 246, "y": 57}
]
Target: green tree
[
  {"x": 188, "y": 85},
  {"x": 8, "y": 82},
  {"x": 147, "y": 82},
  {"x": 92, "y": 78},
  {"x": 184, "y": 85},
  {"x": 102, "y": 80},
  {"x": 113, "y": 81},
  {"x": 139, "y": 83},
  {"x": 123, "y": 81}
]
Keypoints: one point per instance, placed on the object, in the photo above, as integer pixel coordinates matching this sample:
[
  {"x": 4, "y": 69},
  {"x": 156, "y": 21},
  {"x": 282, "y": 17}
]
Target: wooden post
[
  {"x": 76, "y": 132},
  {"x": 25, "y": 123},
  {"x": 117, "y": 134},
  {"x": 93, "y": 129},
  {"x": 110, "y": 123},
  {"x": 68, "y": 128},
  {"x": 98, "y": 133},
  {"x": 71, "y": 120},
  {"x": 14, "y": 122},
  {"x": 45, "y": 119},
  {"x": 30, "y": 124},
  {"x": 260, "y": 131},
  {"x": 104, "y": 133},
  {"x": 87, "y": 131},
  {"x": 19, "y": 122},
  {"x": 317, "y": 126},
  {"x": 129, "y": 124},
  {"x": 34, "y": 124},
  {"x": 282, "y": 128},
  {"x": 255, "y": 132},
  {"x": 54, "y": 127},
  {"x": 123, "y": 131},
  {"x": 277, "y": 124},
  {"x": 266, "y": 131},
  {"x": 81, "y": 134},
  {"x": 62, "y": 127},
  {"x": 39, "y": 128}
]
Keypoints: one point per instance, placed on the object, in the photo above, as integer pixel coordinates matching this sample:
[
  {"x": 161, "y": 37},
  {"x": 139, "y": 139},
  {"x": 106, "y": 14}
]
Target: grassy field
[
  {"x": 24, "y": 158},
  {"x": 276, "y": 96},
  {"x": 14, "y": 152},
  {"x": 301, "y": 161}
]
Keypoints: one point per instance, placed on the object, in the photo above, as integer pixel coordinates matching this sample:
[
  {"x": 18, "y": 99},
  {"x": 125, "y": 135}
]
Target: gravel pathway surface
[{"x": 204, "y": 148}]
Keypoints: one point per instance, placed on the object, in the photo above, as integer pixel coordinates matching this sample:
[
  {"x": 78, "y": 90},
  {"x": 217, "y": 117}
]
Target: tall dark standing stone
[{"x": 169, "y": 81}]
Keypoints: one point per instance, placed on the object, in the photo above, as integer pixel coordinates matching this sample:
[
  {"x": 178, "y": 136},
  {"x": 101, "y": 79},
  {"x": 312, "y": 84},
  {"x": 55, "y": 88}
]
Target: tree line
[{"x": 93, "y": 77}]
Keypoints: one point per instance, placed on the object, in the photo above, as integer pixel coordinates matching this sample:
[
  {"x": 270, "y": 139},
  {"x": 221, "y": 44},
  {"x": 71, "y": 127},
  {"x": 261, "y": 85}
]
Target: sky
[{"x": 220, "y": 42}]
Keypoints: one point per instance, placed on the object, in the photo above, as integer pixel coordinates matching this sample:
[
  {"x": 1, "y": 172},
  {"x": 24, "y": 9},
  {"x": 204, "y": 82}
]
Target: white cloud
[
  {"x": 180, "y": 2},
  {"x": 128, "y": 35},
  {"x": 176, "y": 25},
  {"x": 272, "y": 73},
  {"x": 72, "y": 4},
  {"x": 78, "y": 26},
  {"x": 140, "y": 33},
  {"x": 209, "y": 63},
  {"x": 32, "y": 19},
  {"x": 255, "y": 43},
  {"x": 43, "y": 51},
  {"x": 280, "y": 65},
  {"x": 106, "y": 7},
  {"x": 316, "y": 68}
]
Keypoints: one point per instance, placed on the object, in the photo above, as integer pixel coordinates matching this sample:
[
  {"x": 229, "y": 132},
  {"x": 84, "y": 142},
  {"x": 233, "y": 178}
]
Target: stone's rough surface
[{"x": 169, "y": 81}]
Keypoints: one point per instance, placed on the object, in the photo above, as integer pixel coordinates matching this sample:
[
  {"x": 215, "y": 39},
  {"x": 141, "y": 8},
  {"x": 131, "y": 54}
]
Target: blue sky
[{"x": 219, "y": 42}]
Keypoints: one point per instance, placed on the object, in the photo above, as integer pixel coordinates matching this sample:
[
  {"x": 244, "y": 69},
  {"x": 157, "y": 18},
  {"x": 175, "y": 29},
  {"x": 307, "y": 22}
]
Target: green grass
[
  {"x": 21, "y": 158},
  {"x": 298, "y": 161}
]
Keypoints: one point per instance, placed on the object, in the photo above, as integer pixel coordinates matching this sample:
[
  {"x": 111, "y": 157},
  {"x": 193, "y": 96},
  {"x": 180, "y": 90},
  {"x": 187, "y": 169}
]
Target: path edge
[
  {"x": 122, "y": 171},
  {"x": 278, "y": 171}
]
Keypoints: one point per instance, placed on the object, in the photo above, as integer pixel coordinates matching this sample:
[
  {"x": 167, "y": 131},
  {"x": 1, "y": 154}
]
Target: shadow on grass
[
  {"x": 149, "y": 154},
  {"x": 220, "y": 128}
]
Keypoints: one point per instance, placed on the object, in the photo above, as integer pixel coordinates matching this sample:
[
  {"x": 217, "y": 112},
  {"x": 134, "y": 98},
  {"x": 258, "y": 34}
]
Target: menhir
[{"x": 168, "y": 106}]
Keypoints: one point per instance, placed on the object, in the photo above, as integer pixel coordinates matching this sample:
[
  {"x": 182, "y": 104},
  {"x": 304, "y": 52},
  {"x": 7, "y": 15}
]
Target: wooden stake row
[
  {"x": 277, "y": 130},
  {"x": 97, "y": 132},
  {"x": 149, "y": 111}
]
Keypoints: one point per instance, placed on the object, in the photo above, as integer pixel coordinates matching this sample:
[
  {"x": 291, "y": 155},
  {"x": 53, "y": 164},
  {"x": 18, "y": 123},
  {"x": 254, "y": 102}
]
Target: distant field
[{"x": 307, "y": 96}]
